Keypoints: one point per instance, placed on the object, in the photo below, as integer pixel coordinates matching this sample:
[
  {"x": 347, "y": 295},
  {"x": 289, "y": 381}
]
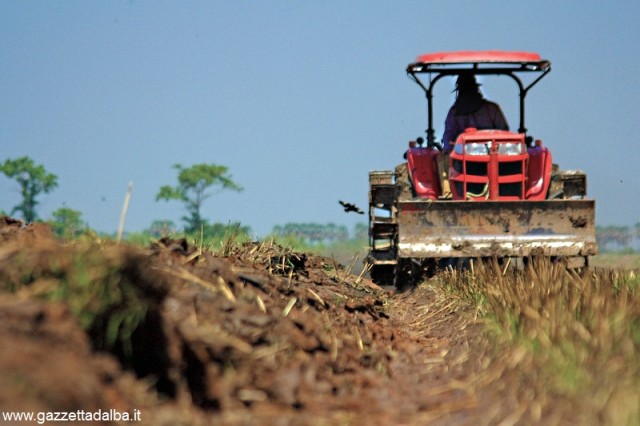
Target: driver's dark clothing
[{"x": 471, "y": 111}]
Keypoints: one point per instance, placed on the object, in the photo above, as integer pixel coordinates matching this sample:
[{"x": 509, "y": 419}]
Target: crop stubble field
[{"x": 259, "y": 334}]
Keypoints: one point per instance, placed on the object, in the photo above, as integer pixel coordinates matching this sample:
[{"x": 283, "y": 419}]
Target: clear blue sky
[{"x": 300, "y": 99}]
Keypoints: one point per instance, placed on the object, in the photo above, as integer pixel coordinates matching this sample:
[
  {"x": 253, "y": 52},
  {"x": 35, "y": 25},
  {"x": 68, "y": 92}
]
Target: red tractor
[{"x": 499, "y": 193}]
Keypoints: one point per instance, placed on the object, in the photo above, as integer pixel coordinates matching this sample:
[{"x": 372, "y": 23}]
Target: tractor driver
[{"x": 470, "y": 109}]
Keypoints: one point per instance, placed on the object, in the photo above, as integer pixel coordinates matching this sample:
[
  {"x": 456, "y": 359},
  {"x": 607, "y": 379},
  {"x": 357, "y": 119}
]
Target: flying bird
[{"x": 348, "y": 207}]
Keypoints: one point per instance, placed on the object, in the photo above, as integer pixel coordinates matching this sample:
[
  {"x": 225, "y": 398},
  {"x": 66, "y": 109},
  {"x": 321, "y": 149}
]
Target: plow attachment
[{"x": 428, "y": 229}]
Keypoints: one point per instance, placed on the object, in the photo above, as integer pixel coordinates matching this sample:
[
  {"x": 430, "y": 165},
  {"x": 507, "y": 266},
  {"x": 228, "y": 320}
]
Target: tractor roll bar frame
[{"x": 438, "y": 70}]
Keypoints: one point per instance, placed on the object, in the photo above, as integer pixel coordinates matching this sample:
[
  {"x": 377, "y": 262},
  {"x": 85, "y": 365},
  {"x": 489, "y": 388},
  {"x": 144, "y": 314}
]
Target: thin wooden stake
[{"x": 123, "y": 215}]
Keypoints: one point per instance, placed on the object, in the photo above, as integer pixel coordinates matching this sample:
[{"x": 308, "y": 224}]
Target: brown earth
[{"x": 260, "y": 336}]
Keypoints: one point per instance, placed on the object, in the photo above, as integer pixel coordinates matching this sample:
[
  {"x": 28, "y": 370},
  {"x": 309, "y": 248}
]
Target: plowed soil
[{"x": 259, "y": 336}]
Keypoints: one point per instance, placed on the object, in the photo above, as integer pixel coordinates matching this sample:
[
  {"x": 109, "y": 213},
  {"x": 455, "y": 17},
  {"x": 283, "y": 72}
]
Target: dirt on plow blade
[{"x": 436, "y": 229}]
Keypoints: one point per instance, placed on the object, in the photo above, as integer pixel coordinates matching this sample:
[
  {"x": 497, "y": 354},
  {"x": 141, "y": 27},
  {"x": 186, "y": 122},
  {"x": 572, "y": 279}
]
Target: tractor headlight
[
  {"x": 477, "y": 148},
  {"x": 484, "y": 148},
  {"x": 510, "y": 148}
]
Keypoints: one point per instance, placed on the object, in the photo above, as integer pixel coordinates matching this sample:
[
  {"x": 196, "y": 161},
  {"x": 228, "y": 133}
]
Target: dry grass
[
  {"x": 275, "y": 258},
  {"x": 567, "y": 342}
]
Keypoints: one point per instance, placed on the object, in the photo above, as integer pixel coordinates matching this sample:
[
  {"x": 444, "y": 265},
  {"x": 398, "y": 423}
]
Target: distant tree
[
  {"x": 33, "y": 180},
  {"x": 220, "y": 231},
  {"x": 336, "y": 233},
  {"x": 313, "y": 233},
  {"x": 160, "y": 228},
  {"x": 361, "y": 231},
  {"x": 612, "y": 234},
  {"x": 67, "y": 223},
  {"x": 192, "y": 189}
]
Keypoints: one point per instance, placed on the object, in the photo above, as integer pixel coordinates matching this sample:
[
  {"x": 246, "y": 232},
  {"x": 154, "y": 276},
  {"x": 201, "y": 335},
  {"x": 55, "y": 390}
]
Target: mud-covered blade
[{"x": 437, "y": 229}]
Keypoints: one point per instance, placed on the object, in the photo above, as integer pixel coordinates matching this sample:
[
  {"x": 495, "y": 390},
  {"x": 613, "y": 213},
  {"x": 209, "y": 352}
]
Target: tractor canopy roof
[{"x": 482, "y": 61}]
